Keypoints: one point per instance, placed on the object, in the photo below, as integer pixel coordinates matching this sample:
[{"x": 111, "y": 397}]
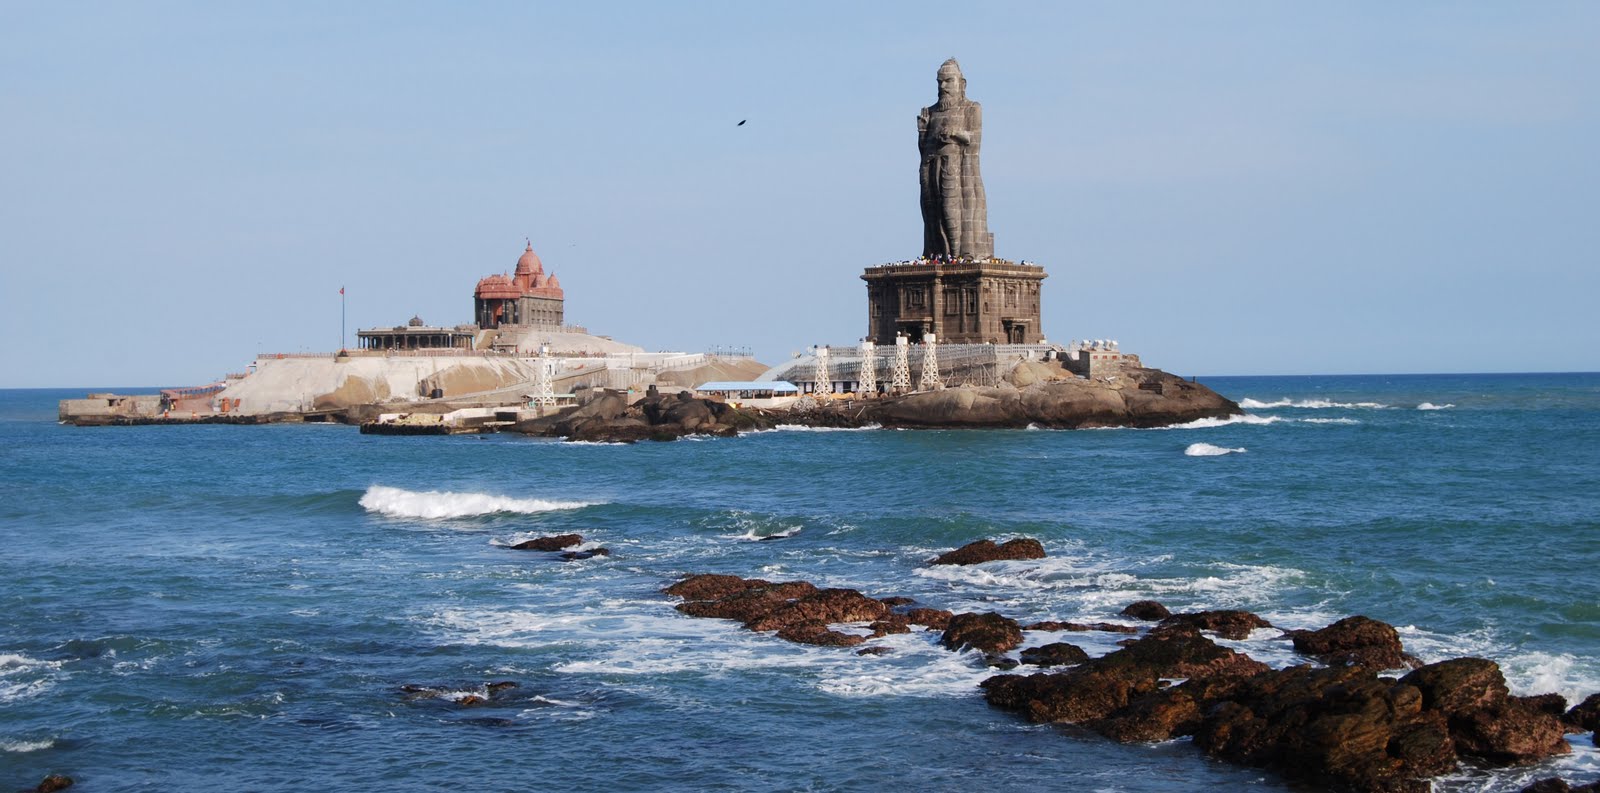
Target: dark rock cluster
[
  {"x": 607, "y": 417},
  {"x": 987, "y": 551},
  {"x": 561, "y": 542},
  {"x": 1343, "y": 725}
]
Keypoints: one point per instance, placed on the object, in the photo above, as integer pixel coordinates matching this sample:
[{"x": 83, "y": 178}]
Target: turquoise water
[{"x": 236, "y": 608}]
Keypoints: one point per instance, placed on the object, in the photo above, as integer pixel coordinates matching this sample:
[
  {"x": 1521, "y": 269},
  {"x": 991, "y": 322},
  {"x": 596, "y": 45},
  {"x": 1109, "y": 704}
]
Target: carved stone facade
[
  {"x": 527, "y": 297},
  {"x": 961, "y": 302}
]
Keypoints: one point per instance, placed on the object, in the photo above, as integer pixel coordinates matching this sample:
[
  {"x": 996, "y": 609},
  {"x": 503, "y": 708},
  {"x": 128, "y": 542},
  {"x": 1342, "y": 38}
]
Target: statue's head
[{"x": 952, "y": 86}]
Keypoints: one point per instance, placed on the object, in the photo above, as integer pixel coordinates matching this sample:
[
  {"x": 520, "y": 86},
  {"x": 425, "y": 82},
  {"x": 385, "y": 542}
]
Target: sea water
[{"x": 237, "y": 608}]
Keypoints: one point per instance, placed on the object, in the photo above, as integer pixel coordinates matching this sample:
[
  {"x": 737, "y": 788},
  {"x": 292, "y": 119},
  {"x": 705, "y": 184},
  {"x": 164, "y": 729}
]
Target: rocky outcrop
[
  {"x": 1585, "y": 716},
  {"x": 1134, "y": 398},
  {"x": 1355, "y": 641},
  {"x": 933, "y": 619},
  {"x": 53, "y": 783},
  {"x": 797, "y": 610},
  {"x": 1079, "y": 627},
  {"x": 989, "y": 632},
  {"x": 1227, "y": 623},
  {"x": 1147, "y": 610},
  {"x": 607, "y": 417},
  {"x": 554, "y": 543},
  {"x": 987, "y": 551},
  {"x": 1054, "y": 654},
  {"x": 1099, "y": 687},
  {"x": 1342, "y": 726}
]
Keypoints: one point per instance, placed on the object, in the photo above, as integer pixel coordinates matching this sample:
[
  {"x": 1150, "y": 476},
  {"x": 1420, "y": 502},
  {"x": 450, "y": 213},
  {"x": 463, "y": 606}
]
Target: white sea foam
[
  {"x": 1431, "y": 406},
  {"x": 750, "y": 534},
  {"x": 22, "y": 677},
  {"x": 433, "y": 504},
  {"x": 1208, "y": 450},
  {"x": 1308, "y": 404},
  {"x": 803, "y": 428},
  {"x": 26, "y": 746},
  {"x": 1328, "y": 421},
  {"x": 594, "y": 443},
  {"x": 1243, "y": 418}
]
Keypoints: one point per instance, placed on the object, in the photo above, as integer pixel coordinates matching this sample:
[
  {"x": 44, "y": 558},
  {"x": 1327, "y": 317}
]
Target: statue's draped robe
[{"x": 955, "y": 214}]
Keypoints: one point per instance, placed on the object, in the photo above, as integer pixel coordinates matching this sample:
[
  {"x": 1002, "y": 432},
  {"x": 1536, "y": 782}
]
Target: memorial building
[
  {"x": 528, "y": 296},
  {"x": 957, "y": 289}
]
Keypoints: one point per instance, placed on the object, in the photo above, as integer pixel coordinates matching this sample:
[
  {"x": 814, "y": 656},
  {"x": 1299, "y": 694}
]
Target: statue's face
[{"x": 949, "y": 84}]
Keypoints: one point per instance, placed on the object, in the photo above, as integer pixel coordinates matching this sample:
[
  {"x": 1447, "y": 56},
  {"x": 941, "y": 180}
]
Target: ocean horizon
[{"x": 262, "y": 607}]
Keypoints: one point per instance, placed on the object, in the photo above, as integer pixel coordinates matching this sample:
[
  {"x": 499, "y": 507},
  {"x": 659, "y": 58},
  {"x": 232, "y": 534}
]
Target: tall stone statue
[{"x": 955, "y": 214}]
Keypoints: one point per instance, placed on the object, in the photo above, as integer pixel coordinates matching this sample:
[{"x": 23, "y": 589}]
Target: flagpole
[{"x": 341, "y": 319}]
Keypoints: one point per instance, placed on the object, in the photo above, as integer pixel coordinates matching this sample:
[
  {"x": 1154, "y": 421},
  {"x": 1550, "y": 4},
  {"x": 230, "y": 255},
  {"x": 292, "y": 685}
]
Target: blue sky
[{"x": 1226, "y": 188}]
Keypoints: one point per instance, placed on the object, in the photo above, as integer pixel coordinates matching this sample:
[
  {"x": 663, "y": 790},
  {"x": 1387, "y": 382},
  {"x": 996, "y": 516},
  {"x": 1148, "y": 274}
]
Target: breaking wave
[
  {"x": 1243, "y": 418},
  {"x": 1308, "y": 404},
  {"x": 1431, "y": 406},
  {"x": 433, "y": 504},
  {"x": 803, "y": 428},
  {"x": 1207, "y": 450},
  {"x": 1330, "y": 421}
]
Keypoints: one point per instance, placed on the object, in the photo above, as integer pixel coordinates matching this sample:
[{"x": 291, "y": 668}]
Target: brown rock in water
[
  {"x": 1157, "y": 716},
  {"x": 893, "y": 623},
  {"x": 749, "y": 605},
  {"x": 1341, "y": 726},
  {"x": 825, "y": 605},
  {"x": 895, "y": 601},
  {"x": 987, "y": 551},
  {"x": 1096, "y": 688},
  {"x": 710, "y": 586},
  {"x": 1055, "y": 654},
  {"x": 1080, "y": 627},
  {"x": 1147, "y": 610},
  {"x": 1459, "y": 685},
  {"x": 1548, "y": 704},
  {"x": 989, "y": 632},
  {"x": 1484, "y": 720},
  {"x": 555, "y": 543},
  {"x": 1355, "y": 641},
  {"x": 937, "y": 619},
  {"x": 1510, "y": 733},
  {"x": 1585, "y": 715},
  {"x": 817, "y": 632},
  {"x": 1229, "y": 624},
  {"x": 1079, "y": 694},
  {"x": 573, "y": 556},
  {"x": 876, "y": 649},
  {"x": 53, "y": 783}
]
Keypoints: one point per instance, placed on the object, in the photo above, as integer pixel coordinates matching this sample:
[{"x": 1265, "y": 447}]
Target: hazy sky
[{"x": 1227, "y": 188}]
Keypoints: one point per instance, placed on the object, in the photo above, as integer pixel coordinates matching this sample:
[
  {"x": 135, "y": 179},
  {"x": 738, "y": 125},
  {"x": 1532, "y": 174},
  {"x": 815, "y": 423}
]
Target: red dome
[{"x": 529, "y": 263}]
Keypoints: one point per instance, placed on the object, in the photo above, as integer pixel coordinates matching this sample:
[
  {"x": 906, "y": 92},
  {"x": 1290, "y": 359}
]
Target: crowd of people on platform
[{"x": 940, "y": 258}]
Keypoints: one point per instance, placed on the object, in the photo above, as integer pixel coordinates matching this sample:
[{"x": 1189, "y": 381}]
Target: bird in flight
[{"x": 741, "y": 123}]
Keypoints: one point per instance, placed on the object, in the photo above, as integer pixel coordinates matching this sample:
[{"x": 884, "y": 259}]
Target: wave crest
[
  {"x": 1431, "y": 406},
  {"x": 1207, "y": 450},
  {"x": 1308, "y": 404},
  {"x": 434, "y": 504}
]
